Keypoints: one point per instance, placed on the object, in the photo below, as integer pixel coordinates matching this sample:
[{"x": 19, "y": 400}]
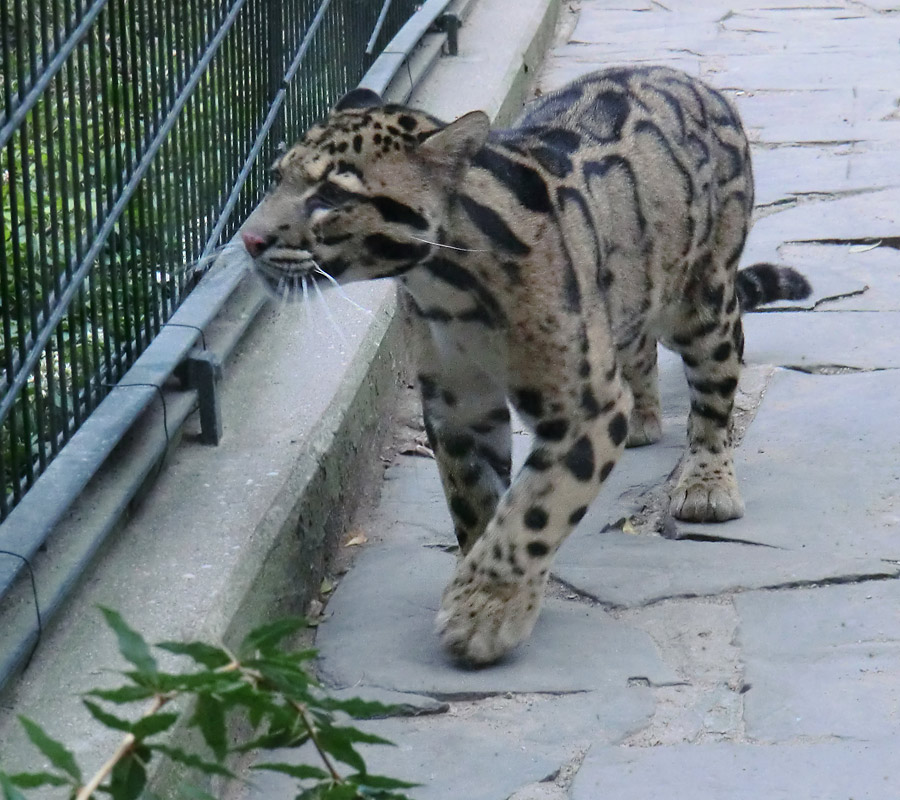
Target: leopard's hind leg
[
  {"x": 638, "y": 359},
  {"x": 710, "y": 339}
]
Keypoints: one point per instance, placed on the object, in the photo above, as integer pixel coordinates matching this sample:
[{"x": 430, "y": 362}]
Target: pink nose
[{"x": 255, "y": 243}]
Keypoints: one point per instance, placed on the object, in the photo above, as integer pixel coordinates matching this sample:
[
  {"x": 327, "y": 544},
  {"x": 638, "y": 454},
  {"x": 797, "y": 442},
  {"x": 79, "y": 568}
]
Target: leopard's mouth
[{"x": 287, "y": 276}]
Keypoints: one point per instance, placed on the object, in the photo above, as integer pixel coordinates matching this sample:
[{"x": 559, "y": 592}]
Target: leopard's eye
[
  {"x": 334, "y": 195},
  {"x": 328, "y": 197}
]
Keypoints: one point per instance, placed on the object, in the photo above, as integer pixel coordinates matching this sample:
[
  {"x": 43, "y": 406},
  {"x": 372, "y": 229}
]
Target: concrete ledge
[{"x": 234, "y": 535}]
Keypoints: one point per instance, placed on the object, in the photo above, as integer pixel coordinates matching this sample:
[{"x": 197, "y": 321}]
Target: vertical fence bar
[{"x": 89, "y": 85}]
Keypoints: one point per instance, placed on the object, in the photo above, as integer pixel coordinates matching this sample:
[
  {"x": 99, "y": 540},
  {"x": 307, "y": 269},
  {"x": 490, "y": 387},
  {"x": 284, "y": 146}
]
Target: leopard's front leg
[{"x": 493, "y": 601}]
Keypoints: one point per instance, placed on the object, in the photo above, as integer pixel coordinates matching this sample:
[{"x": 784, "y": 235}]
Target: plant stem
[
  {"x": 125, "y": 747},
  {"x": 311, "y": 730}
]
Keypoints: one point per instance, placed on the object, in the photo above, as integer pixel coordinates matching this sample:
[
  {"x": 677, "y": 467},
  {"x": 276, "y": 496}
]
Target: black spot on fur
[
  {"x": 539, "y": 460},
  {"x": 718, "y": 418},
  {"x": 530, "y": 402},
  {"x": 580, "y": 459},
  {"x": 460, "y": 278},
  {"x": 721, "y": 353},
  {"x": 609, "y": 112},
  {"x": 589, "y": 403},
  {"x": 537, "y": 549},
  {"x": 499, "y": 414},
  {"x": 394, "y": 211},
  {"x": 513, "y": 271},
  {"x": 577, "y": 515},
  {"x": 492, "y": 225},
  {"x": 557, "y": 163},
  {"x": 462, "y": 508},
  {"x": 536, "y": 518},
  {"x": 552, "y": 429},
  {"x": 606, "y": 469},
  {"x": 385, "y": 247},
  {"x": 458, "y": 445},
  {"x": 618, "y": 429},
  {"x": 525, "y": 183}
]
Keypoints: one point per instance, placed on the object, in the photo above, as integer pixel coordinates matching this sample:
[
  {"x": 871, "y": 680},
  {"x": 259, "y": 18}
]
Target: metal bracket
[
  {"x": 204, "y": 370},
  {"x": 450, "y": 24}
]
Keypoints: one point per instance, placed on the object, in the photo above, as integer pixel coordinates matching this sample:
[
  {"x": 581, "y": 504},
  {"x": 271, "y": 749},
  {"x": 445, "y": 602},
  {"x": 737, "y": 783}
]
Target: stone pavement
[{"x": 754, "y": 659}]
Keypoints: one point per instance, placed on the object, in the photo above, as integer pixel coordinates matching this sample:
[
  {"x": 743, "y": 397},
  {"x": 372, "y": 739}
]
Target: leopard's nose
[{"x": 256, "y": 243}]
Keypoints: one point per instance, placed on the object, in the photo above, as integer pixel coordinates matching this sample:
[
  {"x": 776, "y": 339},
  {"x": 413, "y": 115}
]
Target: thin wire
[
  {"x": 37, "y": 605},
  {"x": 185, "y": 325},
  {"x": 162, "y": 399}
]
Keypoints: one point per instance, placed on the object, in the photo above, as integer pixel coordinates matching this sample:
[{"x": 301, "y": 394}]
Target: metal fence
[{"x": 134, "y": 139}]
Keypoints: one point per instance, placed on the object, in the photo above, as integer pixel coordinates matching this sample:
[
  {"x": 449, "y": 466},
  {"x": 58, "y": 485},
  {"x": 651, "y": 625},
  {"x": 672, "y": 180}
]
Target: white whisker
[
  {"x": 307, "y": 306},
  {"x": 284, "y": 290},
  {"x": 447, "y": 246},
  {"x": 340, "y": 290},
  {"x": 332, "y": 321}
]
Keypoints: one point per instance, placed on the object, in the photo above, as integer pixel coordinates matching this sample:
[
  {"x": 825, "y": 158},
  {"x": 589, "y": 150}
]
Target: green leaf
[
  {"x": 124, "y": 694},
  {"x": 336, "y": 742},
  {"x": 128, "y": 779},
  {"x": 268, "y": 637},
  {"x": 32, "y": 780},
  {"x": 155, "y": 723},
  {"x": 10, "y": 792},
  {"x": 356, "y": 735},
  {"x": 191, "y": 760},
  {"x": 340, "y": 791},
  {"x": 57, "y": 754},
  {"x": 105, "y": 718},
  {"x": 131, "y": 644},
  {"x": 194, "y": 793},
  {"x": 274, "y": 740},
  {"x": 299, "y": 771},
  {"x": 379, "y": 782},
  {"x": 209, "y": 717},
  {"x": 196, "y": 682},
  {"x": 205, "y": 654}
]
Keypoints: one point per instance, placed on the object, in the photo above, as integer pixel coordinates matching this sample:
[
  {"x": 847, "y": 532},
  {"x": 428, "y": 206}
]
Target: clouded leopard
[{"x": 544, "y": 263}]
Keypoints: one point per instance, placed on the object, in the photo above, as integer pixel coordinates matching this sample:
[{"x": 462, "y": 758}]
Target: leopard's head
[{"x": 362, "y": 195}]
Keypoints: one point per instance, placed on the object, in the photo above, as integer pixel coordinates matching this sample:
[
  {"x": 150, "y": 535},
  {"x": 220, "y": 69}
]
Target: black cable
[{"x": 37, "y": 606}]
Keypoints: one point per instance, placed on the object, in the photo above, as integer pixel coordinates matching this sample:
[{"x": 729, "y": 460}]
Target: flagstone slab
[
  {"x": 822, "y": 662},
  {"x": 728, "y": 771}
]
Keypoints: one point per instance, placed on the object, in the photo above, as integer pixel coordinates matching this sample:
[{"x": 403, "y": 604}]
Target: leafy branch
[{"x": 266, "y": 684}]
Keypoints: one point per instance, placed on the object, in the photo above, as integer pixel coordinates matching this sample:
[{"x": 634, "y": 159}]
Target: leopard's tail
[{"x": 766, "y": 283}]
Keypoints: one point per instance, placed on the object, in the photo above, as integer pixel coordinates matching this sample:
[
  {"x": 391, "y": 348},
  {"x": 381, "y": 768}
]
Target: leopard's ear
[
  {"x": 359, "y": 98},
  {"x": 458, "y": 142}
]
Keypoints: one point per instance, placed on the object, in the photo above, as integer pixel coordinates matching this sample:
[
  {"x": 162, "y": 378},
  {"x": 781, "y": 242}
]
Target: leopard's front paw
[
  {"x": 698, "y": 499},
  {"x": 482, "y": 618}
]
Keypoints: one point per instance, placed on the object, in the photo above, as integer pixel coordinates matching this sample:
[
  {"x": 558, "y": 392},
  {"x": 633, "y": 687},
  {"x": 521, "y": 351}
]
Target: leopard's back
[{"x": 650, "y": 169}]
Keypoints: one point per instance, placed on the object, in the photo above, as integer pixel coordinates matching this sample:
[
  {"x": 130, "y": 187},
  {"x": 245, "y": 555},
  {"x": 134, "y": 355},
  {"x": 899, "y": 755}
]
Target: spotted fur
[{"x": 543, "y": 264}]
